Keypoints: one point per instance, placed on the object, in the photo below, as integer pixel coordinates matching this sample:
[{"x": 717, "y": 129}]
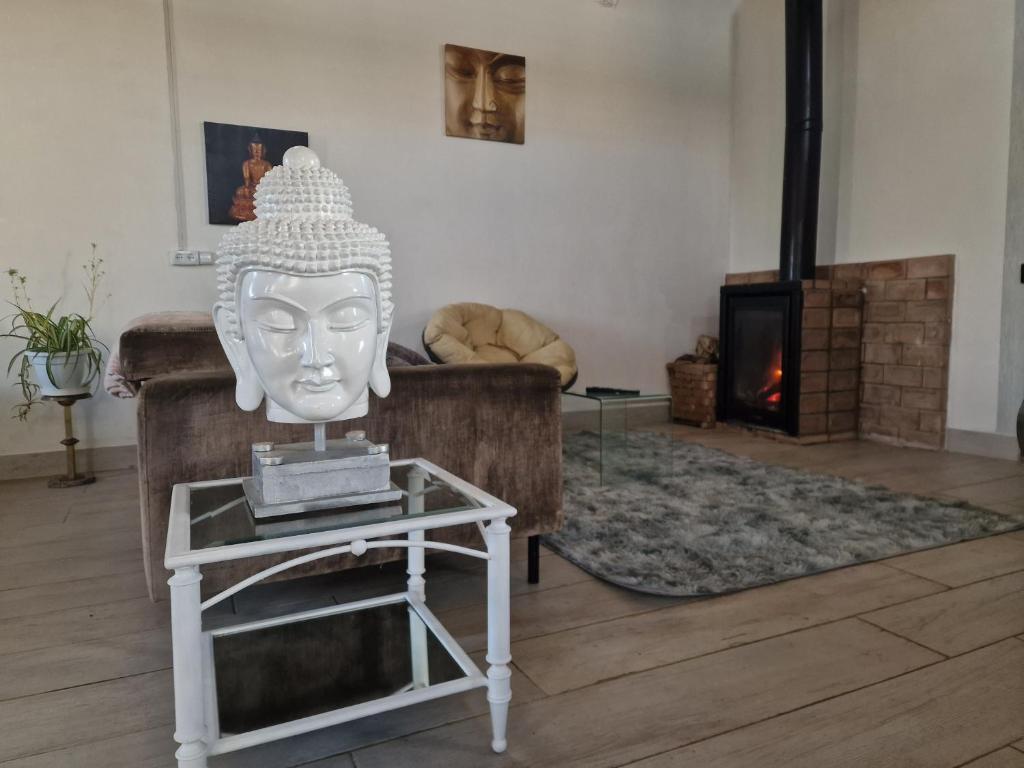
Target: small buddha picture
[
  {"x": 237, "y": 157},
  {"x": 484, "y": 95}
]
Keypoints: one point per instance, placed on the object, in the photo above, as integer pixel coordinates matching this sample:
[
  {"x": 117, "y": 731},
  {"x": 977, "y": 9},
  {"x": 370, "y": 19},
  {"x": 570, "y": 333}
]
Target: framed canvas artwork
[
  {"x": 484, "y": 95},
  {"x": 237, "y": 156}
]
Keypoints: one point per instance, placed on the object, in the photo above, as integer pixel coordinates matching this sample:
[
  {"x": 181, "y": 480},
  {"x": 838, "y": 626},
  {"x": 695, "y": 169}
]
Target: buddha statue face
[
  {"x": 305, "y": 310},
  {"x": 310, "y": 343},
  {"x": 484, "y": 94}
]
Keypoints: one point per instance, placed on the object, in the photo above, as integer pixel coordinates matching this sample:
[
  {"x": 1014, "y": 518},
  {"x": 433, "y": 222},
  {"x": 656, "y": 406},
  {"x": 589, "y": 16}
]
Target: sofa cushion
[{"x": 522, "y": 334}]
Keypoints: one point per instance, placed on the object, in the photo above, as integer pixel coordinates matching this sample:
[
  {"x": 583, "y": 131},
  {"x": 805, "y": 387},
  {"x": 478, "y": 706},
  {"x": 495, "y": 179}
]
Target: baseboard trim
[
  {"x": 18, "y": 466},
  {"x": 990, "y": 444}
]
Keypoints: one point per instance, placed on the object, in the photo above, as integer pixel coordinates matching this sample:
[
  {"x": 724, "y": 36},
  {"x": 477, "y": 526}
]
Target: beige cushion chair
[{"x": 479, "y": 333}]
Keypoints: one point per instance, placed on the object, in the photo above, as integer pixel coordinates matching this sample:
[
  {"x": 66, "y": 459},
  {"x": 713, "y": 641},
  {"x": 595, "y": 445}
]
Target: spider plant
[{"x": 62, "y": 339}]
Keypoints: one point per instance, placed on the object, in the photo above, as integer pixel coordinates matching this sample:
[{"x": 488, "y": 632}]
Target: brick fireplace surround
[{"x": 875, "y": 350}]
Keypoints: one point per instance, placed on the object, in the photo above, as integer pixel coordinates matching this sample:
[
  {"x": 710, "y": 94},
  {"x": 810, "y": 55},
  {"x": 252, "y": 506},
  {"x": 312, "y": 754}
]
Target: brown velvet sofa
[{"x": 497, "y": 426}]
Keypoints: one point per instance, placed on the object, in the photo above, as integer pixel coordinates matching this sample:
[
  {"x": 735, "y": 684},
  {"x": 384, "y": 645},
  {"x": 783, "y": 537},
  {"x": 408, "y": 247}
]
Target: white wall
[
  {"x": 759, "y": 135},
  {"x": 86, "y": 150},
  {"x": 610, "y": 223},
  {"x": 928, "y": 156},
  {"x": 1011, "y": 344},
  {"x": 923, "y": 149}
]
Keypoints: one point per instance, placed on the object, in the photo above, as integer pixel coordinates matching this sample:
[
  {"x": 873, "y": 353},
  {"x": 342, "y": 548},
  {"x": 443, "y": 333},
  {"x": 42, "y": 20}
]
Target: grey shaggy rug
[{"x": 692, "y": 520}]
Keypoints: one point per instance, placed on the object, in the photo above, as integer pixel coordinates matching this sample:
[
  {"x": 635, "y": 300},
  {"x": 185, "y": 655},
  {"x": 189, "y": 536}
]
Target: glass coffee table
[
  {"x": 342, "y": 662},
  {"x": 613, "y": 429}
]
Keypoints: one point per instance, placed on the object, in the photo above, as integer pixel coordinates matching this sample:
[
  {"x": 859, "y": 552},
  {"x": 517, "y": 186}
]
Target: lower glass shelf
[{"x": 295, "y": 673}]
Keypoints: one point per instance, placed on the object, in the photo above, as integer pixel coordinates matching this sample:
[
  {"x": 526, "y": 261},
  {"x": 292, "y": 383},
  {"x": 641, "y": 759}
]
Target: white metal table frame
[{"x": 196, "y": 725}]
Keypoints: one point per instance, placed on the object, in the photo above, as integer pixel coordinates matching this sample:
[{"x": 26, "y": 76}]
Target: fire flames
[{"x": 771, "y": 392}]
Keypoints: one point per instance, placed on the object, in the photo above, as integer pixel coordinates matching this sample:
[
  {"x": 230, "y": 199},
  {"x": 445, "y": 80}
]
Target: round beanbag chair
[{"x": 479, "y": 333}]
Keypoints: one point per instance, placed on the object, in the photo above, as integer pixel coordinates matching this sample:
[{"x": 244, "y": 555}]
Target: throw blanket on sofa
[{"x": 114, "y": 381}]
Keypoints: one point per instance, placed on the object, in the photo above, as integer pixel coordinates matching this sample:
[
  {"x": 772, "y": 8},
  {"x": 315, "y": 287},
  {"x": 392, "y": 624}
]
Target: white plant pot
[{"x": 69, "y": 372}]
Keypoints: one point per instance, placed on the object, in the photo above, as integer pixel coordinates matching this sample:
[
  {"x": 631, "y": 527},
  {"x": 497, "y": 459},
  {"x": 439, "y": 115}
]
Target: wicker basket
[{"x": 693, "y": 392}]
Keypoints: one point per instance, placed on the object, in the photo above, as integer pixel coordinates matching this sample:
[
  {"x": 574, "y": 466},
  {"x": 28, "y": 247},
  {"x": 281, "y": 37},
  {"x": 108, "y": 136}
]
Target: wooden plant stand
[{"x": 72, "y": 478}]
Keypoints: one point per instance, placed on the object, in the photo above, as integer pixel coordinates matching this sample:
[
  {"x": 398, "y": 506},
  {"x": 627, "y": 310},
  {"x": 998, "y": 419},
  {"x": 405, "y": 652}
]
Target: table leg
[
  {"x": 417, "y": 585},
  {"x": 499, "y": 653},
  {"x": 415, "y": 558},
  {"x": 186, "y": 635}
]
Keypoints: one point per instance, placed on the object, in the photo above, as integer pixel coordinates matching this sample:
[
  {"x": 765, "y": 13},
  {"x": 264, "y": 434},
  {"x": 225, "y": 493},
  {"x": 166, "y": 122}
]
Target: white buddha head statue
[{"x": 305, "y": 308}]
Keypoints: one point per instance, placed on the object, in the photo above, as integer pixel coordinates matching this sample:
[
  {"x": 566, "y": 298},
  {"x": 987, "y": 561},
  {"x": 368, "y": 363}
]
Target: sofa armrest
[{"x": 170, "y": 342}]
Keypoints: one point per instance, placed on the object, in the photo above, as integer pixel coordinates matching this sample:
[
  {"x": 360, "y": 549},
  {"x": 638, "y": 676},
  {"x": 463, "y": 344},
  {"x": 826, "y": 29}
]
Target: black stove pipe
[{"x": 802, "y": 165}]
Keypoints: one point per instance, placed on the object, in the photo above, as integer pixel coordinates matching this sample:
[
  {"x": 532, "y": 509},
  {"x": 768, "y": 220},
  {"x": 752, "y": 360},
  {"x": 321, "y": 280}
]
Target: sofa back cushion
[{"x": 179, "y": 342}]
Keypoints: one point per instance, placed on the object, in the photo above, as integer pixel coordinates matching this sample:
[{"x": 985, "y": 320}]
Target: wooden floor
[{"x": 913, "y": 661}]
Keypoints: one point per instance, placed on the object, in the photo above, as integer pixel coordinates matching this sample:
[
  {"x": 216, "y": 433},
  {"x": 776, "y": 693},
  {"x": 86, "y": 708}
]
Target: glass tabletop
[
  {"x": 609, "y": 415},
  {"x": 219, "y": 514},
  {"x": 604, "y": 397}
]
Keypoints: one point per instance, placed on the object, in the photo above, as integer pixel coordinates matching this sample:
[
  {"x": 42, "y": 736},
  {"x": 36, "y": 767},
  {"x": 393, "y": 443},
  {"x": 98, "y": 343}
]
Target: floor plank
[
  {"x": 624, "y": 719},
  {"x": 152, "y": 748},
  {"x": 936, "y": 479},
  {"x": 66, "y": 666},
  {"x": 961, "y": 619},
  {"x": 632, "y": 644},
  {"x": 16, "y": 576},
  {"x": 52, "y": 721},
  {"x": 340, "y": 761},
  {"x": 991, "y": 492},
  {"x": 77, "y": 529},
  {"x": 968, "y": 561},
  {"x": 47, "y": 630},
  {"x": 1003, "y": 758},
  {"x": 38, "y": 503},
  {"x": 98, "y": 545},
  {"x": 551, "y": 610},
  {"x": 48, "y": 598},
  {"x": 1013, "y": 509},
  {"x": 940, "y": 717}
]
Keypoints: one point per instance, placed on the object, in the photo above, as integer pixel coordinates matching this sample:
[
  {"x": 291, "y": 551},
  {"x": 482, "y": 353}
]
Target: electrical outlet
[
  {"x": 190, "y": 258},
  {"x": 184, "y": 258}
]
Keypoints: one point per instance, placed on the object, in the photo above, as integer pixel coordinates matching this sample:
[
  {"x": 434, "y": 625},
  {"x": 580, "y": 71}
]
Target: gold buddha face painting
[{"x": 485, "y": 94}]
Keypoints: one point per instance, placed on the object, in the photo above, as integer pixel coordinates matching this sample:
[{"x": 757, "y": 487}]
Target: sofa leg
[{"x": 533, "y": 559}]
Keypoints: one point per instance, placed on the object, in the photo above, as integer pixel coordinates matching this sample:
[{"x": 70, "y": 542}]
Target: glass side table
[
  {"x": 381, "y": 654},
  {"x": 613, "y": 429}
]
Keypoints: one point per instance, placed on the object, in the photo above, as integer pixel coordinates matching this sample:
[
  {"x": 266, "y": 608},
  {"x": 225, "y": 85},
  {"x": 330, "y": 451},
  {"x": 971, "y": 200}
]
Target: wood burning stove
[{"x": 759, "y": 366}]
